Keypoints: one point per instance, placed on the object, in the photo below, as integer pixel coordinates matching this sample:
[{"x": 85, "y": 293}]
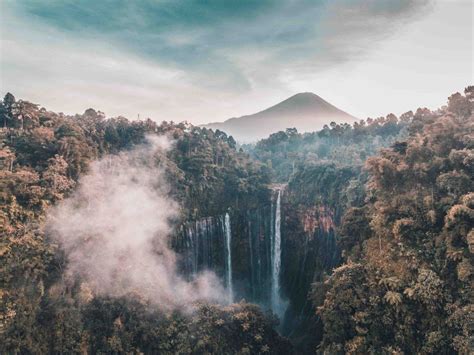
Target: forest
[{"x": 375, "y": 221}]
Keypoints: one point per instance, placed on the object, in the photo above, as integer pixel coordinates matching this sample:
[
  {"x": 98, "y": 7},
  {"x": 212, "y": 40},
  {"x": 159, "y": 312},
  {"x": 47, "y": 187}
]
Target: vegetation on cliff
[
  {"x": 377, "y": 234},
  {"x": 43, "y": 310},
  {"x": 406, "y": 284}
]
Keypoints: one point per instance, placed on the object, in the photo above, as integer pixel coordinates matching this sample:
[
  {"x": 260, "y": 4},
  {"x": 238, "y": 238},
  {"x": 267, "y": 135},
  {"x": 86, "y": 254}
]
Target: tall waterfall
[
  {"x": 276, "y": 259},
  {"x": 228, "y": 262},
  {"x": 244, "y": 249}
]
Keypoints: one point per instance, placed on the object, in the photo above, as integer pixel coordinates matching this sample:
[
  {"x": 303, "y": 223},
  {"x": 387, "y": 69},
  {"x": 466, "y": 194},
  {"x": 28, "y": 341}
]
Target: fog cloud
[{"x": 114, "y": 231}]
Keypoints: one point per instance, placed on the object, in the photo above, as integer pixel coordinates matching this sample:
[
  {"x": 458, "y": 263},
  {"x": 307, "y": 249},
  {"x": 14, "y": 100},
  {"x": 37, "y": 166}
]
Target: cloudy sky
[{"x": 205, "y": 61}]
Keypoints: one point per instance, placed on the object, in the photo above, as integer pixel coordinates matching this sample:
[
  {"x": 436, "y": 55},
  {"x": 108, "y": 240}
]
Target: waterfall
[
  {"x": 194, "y": 242},
  {"x": 211, "y": 243},
  {"x": 276, "y": 259},
  {"x": 228, "y": 263},
  {"x": 252, "y": 281}
]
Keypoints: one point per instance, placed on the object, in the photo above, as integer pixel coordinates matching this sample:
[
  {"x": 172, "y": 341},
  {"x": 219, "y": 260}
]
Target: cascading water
[
  {"x": 228, "y": 264},
  {"x": 245, "y": 255},
  {"x": 276, "y": 259},
  {"x": 194, "y": 247},
  {"x": 246, "y": 250}
]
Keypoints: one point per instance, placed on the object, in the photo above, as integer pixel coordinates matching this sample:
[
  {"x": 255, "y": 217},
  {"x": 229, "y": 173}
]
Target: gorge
[
  {"x": 267, "y": 255},
  {"x": 224, "y": 243},
  {"x": 299, "y": 242},
  {"x": 236, "y": 177}
]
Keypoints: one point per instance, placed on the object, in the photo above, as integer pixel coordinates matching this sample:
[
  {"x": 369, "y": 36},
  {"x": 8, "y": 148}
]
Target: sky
[{"x": 209, "y": 60}]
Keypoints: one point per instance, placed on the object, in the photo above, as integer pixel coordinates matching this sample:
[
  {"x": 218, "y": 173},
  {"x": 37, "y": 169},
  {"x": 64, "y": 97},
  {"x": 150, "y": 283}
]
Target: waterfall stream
[
  {"x": 243, "y": 248},
  {"x": 228, "y": 264},
  {"x": 276, "y": 259}
]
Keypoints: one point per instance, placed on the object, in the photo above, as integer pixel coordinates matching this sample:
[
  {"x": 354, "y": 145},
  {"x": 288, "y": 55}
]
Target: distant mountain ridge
[{"x": 304, "y": 111}]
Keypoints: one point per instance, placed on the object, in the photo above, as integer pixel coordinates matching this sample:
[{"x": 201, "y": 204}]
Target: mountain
[{"x": 304, "y": 111}]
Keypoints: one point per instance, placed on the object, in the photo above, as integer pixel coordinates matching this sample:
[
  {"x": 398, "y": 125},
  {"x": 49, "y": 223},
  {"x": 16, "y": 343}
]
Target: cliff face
[
  {"x": 308, "y": 252},
  {"x": 317, "y": 218},
  {"x": 311, "y": 207},
  {"x": 201, "y": 245},
  {"x": 314, "y": 202}
]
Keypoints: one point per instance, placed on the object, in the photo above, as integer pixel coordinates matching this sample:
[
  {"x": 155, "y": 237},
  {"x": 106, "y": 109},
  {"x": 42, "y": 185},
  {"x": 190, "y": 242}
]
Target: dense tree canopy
[
  {"x": 395, "y": 193},
  {"x": 341, "y": 144},
  {"x": 406, "y": 284},
  {"x": 43, "y": 154}
]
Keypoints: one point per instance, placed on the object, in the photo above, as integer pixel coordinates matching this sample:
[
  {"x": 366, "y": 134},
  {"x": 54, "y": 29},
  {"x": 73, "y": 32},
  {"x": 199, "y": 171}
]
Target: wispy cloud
[
  {"x": 204, "y": 37},
  {"x": 163, "y": 57}
]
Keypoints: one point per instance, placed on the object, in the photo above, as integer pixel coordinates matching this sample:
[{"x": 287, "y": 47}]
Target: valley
[{"x": 299, "y": 243}]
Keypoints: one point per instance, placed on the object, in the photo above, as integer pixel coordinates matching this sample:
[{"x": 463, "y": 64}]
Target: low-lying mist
[{"x": 114, "y": 231}]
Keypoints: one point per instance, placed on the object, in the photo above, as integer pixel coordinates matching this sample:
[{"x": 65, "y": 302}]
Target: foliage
[
  {"x": 288, "y": 152},
  {"x": 402, "y": 217},
  {"x": 42, "y": 156},
  {"x": 406, "y": 285}
]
